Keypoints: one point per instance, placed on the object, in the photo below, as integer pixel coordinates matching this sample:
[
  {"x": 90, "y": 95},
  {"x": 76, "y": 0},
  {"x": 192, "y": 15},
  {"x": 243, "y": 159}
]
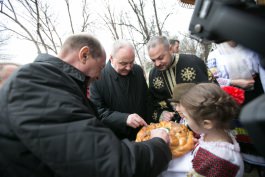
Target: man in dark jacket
[
  {"x": 120, "y": 94},
  {"x": 171, "y": 69},
  {"x": 49, "y": 128}
]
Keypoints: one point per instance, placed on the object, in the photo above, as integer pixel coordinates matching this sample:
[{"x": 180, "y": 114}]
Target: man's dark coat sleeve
[{"x": 50, "y": 124}]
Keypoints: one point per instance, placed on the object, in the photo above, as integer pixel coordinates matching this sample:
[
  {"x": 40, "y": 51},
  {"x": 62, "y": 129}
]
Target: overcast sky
[{"x": 24, "y": 52}]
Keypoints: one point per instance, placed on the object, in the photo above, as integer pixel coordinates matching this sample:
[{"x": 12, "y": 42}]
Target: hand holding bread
[{"x": 181, "y": 138}]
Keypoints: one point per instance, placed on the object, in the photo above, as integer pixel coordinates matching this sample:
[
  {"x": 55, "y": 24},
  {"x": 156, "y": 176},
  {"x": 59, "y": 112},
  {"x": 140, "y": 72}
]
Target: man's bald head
[{"x": 78, "y": 41}]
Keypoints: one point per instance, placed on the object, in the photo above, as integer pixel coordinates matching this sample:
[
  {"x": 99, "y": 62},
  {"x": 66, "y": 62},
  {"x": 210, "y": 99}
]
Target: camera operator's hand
[
  {"x": 160, "y": 133},
  {"x": 134, "y": 121}
]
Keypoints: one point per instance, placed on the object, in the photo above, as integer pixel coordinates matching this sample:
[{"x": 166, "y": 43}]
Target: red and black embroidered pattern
[{"x": 207, "y": 164}]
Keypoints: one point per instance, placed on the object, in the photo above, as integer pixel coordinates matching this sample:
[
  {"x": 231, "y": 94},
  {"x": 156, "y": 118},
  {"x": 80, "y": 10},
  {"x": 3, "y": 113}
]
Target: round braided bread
[{"x": 181, "y": 139}]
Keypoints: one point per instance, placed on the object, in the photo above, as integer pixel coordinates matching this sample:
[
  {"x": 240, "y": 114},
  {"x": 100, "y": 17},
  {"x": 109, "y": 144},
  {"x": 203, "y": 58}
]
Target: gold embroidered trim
[{"x": 171, "y": 75}]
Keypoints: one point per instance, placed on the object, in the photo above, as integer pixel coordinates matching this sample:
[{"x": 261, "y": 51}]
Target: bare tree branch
[
  {"x": 69, "y": 14},
  {"x": 85, "y": 16},
  {"x": 36, "y": 16},
  {"x": 163, "y": 23},
  {"x": 156, "y": 19},
  {"x": 139, "y": 12},
  {"x": 112, "y": 22},
  {"x": 39, "y": 26},
  {"x": 3, "y": 38},
  {"x": 14, "y": 19},
  {"x": 110, "y": 19}
]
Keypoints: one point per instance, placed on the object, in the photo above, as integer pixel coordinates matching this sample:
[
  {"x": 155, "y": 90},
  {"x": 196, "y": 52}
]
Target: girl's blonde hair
[{"x": 207, "y": 101}]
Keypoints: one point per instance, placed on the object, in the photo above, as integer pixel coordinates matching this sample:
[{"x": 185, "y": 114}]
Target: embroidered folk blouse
[{"x": 217, "y": 159}]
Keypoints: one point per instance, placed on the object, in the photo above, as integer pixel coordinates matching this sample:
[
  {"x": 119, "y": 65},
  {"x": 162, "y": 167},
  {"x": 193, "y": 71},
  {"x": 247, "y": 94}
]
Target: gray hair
[
  {"x": 119, "y": 44},
  {"x": 154, "y": 41}
]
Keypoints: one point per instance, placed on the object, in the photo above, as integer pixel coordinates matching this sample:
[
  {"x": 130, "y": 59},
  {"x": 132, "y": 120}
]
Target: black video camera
[{"x": 223, "y": 20}]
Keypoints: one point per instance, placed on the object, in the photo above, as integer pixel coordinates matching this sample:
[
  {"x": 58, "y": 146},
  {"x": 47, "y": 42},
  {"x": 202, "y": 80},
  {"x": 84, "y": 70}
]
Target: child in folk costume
[
  {"x": 208, "y": 111},
  {"x": 179, "y": 167}
]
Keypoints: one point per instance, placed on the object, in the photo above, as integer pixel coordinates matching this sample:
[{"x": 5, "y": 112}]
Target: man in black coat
[
  {"x": 49, "y": 128},
  {"x": 120, "y": 94}
]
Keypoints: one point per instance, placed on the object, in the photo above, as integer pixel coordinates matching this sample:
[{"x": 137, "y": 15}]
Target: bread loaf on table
[{"x": 181, "y": 138}]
